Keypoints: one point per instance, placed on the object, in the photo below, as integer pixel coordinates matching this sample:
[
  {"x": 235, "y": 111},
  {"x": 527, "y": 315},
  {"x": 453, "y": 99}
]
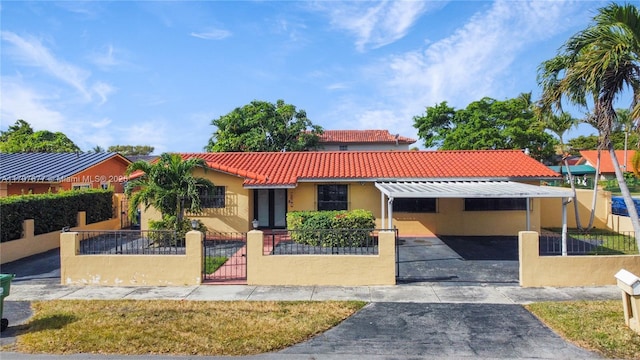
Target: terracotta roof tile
[
  {"x": 287, "y": 168},
  {"x": 606, "y": 165},
  {"x": 362, "y": 136}
]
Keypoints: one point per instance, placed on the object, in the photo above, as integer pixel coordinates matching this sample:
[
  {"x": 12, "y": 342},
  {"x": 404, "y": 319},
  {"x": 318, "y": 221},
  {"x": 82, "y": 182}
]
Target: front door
[{"x": 270, "y": 208}]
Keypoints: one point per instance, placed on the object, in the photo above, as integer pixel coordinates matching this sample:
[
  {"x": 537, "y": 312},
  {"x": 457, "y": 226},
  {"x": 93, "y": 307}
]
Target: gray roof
[{"x": 48, "y": 167}]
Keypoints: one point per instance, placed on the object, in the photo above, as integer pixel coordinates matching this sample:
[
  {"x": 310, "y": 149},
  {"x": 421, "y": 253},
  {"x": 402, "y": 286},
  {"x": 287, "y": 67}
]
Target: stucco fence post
[
  {"x": 311, "y": 270},
  {"x": 566, "y": 271},
  {"x": 130, "y": 270}
]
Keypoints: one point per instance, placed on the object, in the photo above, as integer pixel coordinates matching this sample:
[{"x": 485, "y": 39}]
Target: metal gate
[{"x": 225, "y": 258}]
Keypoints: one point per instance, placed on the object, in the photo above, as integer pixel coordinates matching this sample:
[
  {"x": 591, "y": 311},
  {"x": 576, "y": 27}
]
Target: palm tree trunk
[
  {"x": 575, "y": 196},
  {"x": 626, "y": 195},
  {"x": 595, "y": 192}
]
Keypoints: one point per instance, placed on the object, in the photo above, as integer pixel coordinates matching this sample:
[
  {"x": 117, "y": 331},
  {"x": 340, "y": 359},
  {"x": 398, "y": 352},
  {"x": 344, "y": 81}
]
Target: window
[
  {"x": 104, "y": 186},
  {"x": 332, "y": 197},
  {"x": 80, "y": 186},
  {"x": 495, "y": 204},
  {"x": 213, "y": 198},
  {"x": 414, "y": 205},
  {"x": 343, "y": 148}
]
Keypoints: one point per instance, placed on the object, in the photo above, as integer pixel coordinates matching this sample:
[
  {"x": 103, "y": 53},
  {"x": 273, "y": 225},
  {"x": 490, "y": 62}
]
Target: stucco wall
[
  {"x": 130, "y": 270},
  {"x": 336, "y": 270},
  {"x": 565, "y": 271},
  {"x": 552, "y": 216}
]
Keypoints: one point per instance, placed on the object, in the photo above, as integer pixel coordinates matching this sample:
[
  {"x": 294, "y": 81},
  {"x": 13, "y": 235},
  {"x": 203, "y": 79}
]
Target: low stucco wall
[
  {"x": 130, "y": 270},
  {"x": 337, "y": 270},
  {"x": 566, "y": 271},
  {"x": 31, "y": 244}
]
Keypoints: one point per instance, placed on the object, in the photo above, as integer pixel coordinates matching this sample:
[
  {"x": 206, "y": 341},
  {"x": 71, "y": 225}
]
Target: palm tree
[
  {"x": 168, "y": 185},
  {"x": 595, "y": 66},
  {"x": 559, "y": 125}
]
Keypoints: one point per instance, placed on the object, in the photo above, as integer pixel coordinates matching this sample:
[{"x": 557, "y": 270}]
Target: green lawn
[
  {"x": 594, "y": 325},
  {"x": 175, "y": 327}
]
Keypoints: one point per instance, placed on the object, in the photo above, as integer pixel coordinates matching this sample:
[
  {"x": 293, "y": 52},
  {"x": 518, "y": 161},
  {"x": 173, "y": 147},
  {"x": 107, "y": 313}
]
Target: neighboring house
[
  {"x": 607, "y": 171},
  {"x": 493, "y": 192},
  {"x": 38, "y": 173},
  {"x": 363, "y": 140},
  {"x": 583, "y": 175}
]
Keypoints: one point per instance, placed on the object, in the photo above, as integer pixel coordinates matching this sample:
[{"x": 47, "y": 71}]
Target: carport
[{"x": 470, "y": 189}]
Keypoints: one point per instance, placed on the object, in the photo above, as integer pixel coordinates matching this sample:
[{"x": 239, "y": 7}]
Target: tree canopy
[
  {"x": 129, "y": 150},
  {"x": 20, "y": 137},
  {"x": 485, "y": 124},
  {"x": 592, "y": 69},
  {"x": 264, "y": 126}
]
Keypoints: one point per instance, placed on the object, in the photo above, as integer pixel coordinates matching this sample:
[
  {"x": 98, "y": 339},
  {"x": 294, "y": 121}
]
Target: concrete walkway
[{"x": 416, "y": 293}]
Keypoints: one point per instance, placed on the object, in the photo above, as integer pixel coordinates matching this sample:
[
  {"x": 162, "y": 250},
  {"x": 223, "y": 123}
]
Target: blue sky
[{"x": 157, "y": 72}]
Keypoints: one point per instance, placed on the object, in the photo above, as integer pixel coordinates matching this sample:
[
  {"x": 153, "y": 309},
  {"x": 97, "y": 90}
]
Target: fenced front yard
[
  {"x": 542, "y": 265},
  {"x": 134, "y": 258},
  {"x": 593, "y": 242}
]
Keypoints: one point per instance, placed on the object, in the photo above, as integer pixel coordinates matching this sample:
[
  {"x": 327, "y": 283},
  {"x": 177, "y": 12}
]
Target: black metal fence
[
  {"x": 225, "y": 256},
  {"x": 151, "y": 242},
  {"x": 596, "y": 242},
  {"x": 322, "y": 242}
]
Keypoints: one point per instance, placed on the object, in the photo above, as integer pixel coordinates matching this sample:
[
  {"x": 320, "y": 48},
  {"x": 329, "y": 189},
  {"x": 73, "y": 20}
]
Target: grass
[
  {"x": 175, "y": 327},
  {"x": 213, "y": 263},
  {"x": 612, "y": 243},
  {"x": 593, "y": 325}
]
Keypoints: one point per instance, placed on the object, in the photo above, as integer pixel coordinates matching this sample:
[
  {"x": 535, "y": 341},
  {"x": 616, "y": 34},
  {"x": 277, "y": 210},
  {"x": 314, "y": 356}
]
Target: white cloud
[
  {"x": 106, "y": 59},
  {"x": 33, "y": 53},
  {"x": 337, "y": 86},
  {"x": 151, "y": 132},
  {"x": 374, "y": 24},
  {"x": 101, "y": 123},
  {"x": 212, "y": 34},
  {"x": 103, "y": 90},
  {"x": 20, "y": 102},
  {"x": 474, "y": 61}
]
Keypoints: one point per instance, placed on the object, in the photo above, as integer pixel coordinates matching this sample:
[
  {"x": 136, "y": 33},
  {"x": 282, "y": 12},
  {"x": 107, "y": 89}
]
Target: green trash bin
[{"x": 5, "y": 283}]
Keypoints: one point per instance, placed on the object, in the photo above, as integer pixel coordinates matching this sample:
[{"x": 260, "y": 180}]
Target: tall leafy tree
[
  {"x": 485, "y": 124},
  {"x": 20, "y": 137},
  {"x": 128, "y": 150},
  {"x": 168, "y": 185},
  {"x": 592, "y": 69},
  {"x": 263, "y": 126}
]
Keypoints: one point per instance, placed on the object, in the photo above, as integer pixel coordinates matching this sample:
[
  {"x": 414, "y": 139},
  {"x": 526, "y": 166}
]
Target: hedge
[
  {"x": 53, "y": 211},
  {"x": 331, "y": 228}
]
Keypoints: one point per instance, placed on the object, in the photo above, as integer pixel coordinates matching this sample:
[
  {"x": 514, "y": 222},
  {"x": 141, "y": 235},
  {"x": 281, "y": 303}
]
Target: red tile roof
[
  {"x": 287, "y": 168},
  {"x": 362, "y": 136},
  {"x": 606, "y": 165}
]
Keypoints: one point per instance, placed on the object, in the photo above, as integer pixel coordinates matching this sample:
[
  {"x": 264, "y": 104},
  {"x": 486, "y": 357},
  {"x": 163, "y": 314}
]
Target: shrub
[
  {"x": 331, "y": 228},
  {"x": 53, "y": 211},
  {"x": 170, "y": 233}
]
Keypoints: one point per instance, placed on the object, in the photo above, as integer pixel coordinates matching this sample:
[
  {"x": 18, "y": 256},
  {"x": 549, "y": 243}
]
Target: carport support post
[
  {"x": 382, "y": 209},
  {"x": 390, "y": 212},
  {"x": 564, "y": 226},
  {"x": 528, "y": 215}
]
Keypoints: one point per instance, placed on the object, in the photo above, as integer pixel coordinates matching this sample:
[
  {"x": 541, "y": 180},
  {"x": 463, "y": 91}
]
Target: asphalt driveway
[
  {"x": 440, "y": 330},
  {"x": 459, "y": 259}
]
